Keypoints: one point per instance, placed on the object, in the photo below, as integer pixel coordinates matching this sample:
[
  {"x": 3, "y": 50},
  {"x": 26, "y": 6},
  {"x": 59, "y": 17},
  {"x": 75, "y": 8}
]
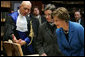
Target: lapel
[
  {"x": 55, "y": 36},
  {"x": 71, "y": 31},
  {"x": 33, "y": 24},
  {"x": 48, "y": 31},
  {"x": 52, "y": 35},
  {"x": 28, "y": 23},
  {"x": 63, "y": 39},
  {"x": 70, "y": 35},
  {"x": 27, "y": 18}
]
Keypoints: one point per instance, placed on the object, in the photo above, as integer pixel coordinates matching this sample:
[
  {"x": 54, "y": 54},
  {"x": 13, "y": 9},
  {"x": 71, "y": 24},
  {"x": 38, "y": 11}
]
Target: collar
[
  {"x": 19, "y": 13},
  {"x": 70, "y": 27}
]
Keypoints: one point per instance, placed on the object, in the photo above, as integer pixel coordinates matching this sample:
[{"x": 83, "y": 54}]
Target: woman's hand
[{"x": 44, "y": 54}]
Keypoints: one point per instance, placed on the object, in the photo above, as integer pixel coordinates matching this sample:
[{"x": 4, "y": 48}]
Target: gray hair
[{"x": 50, "y": 7}]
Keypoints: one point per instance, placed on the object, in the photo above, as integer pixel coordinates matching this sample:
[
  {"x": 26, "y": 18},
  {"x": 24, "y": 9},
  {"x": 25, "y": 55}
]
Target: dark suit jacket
[{"x": 46, "y": 41}]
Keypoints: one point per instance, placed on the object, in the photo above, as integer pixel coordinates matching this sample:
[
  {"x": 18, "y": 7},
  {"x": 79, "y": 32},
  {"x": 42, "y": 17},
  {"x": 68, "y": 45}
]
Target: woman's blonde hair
[{"x": 62, "y": 13}]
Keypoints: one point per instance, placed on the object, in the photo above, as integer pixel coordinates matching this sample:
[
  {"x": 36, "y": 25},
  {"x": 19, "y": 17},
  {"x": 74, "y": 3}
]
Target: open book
[{"x": 12, "y": 49}]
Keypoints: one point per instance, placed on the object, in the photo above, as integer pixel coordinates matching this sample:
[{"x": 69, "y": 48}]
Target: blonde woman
[{"x": 70, "y": 35}]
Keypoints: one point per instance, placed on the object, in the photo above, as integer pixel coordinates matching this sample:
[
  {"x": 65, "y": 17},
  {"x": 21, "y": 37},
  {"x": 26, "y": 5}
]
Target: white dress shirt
[{"x": 21, "y": 23}]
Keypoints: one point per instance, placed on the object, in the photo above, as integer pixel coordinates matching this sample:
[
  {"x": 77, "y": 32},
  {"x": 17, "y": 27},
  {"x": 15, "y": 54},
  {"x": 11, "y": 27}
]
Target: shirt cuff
[{"x": 27, "y": 40}]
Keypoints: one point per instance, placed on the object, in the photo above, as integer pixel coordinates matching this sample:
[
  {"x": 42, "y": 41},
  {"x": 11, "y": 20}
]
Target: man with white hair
[{"x": 18, "y": 28}]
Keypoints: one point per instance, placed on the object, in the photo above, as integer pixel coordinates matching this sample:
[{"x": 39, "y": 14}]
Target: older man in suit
[{"x": 21, "y": 28}]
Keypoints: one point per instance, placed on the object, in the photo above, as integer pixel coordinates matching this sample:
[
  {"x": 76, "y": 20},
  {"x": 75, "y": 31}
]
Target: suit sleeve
[
  {"x": 9, "y": 26},
  {"x": 81, "y": 38},
  {"x": 27, "y": 40}
]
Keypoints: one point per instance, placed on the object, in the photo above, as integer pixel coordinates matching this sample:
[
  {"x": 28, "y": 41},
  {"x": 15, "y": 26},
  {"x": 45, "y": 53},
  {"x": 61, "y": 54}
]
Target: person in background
[
  {"x": 12, "y": 11},
  {"x": 36, "y": 14},
  {"x": 46, "y": 41},
  {"x": 70, "y": 35},
  {"x": 21, "y": 28},
  {"x": 78, "y": 19}
]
